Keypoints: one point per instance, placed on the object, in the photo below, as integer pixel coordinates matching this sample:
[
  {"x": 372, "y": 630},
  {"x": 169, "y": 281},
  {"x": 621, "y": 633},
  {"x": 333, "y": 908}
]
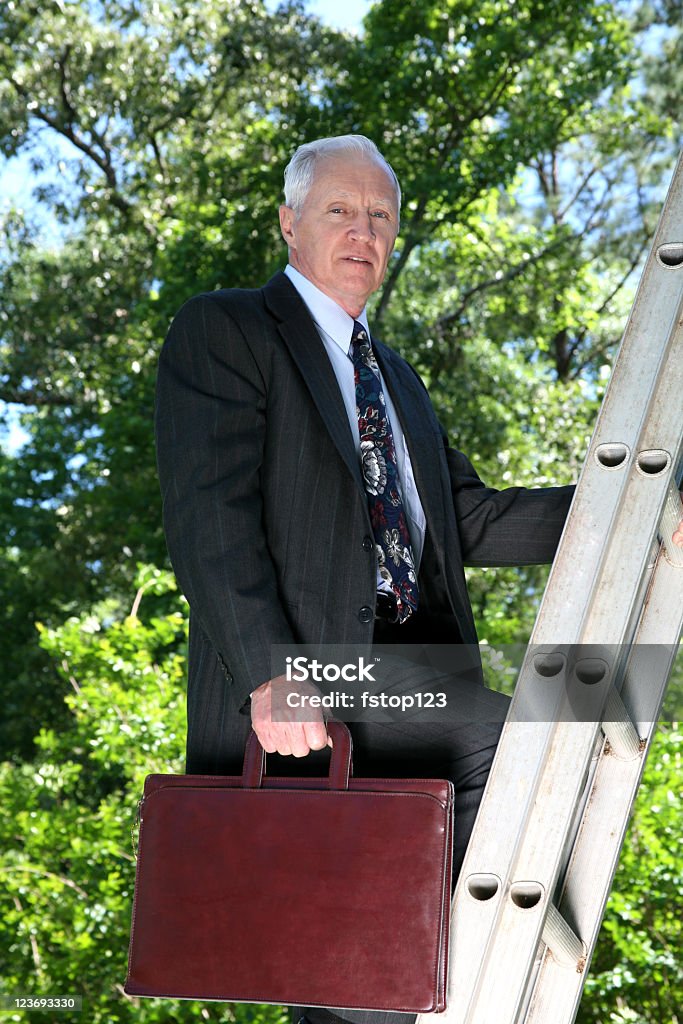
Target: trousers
[{"x": 458, "y": 745}]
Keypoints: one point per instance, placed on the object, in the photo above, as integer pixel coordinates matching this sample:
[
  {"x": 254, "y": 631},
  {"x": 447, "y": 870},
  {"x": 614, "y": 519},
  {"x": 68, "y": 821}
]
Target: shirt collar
[{"x": 327, "y": 314}]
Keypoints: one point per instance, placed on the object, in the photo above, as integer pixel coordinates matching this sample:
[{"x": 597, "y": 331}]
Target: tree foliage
[
  {"x": 533, "y": 141},
  {"x": 67, "y": 863},
  {"x": 637, "y": 971}
]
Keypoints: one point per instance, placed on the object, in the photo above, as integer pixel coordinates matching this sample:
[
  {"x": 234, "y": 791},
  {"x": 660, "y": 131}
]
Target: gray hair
[{"x": 300, "y": 170}]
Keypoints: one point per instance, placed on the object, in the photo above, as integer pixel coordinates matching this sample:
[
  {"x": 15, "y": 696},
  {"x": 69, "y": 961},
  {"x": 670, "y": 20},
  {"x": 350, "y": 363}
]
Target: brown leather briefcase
[{"x": 302, "y": 891}]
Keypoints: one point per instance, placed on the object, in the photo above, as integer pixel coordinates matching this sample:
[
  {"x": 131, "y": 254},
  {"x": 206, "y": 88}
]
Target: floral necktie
[{"x": 380, "y": 475}]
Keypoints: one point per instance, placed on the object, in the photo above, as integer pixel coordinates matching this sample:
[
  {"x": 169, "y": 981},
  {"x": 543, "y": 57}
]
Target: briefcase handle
[{"x": 340, "y": 761}]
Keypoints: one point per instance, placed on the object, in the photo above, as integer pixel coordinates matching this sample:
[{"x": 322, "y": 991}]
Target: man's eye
[
  {"x": 380, "y": 213},
  {"x": 336, "y": 209}
]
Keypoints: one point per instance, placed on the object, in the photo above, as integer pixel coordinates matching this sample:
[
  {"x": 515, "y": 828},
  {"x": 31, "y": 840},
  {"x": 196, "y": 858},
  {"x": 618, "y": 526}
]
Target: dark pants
[{"x": 458, "y": 746}]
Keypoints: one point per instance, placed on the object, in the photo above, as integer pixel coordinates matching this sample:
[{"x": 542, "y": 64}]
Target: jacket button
[
  {"x": 366, "y": 614},
  {"x": 228, "y": 677},
  {"x": 367, "y": 544}
]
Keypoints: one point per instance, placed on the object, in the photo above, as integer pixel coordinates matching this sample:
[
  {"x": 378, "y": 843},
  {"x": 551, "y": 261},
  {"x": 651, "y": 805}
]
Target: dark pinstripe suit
[
  {"x": 266, "y": 517},
  {"x": 265, "y": 512}
]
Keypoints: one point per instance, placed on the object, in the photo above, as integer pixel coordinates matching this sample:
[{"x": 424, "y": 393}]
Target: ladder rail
[
  {"x": 548, "y": 784},
  {"x": 598, "y": 601},
  {"x": 595, "y": 854}
]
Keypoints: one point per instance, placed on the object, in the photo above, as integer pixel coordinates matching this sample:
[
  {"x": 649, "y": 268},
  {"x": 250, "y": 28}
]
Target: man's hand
[
  {"x": 677, "y": 536},
  {"x": 287, "y": 737}
]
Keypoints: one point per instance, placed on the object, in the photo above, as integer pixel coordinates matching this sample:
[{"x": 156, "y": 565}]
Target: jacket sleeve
[
  {"x": 210, "y": 429},
  {"x": 514, "y": 526}
]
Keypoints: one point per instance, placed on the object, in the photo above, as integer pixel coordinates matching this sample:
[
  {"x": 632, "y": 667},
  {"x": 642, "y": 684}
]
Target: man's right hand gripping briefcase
[{"x": 310, "y": 892}]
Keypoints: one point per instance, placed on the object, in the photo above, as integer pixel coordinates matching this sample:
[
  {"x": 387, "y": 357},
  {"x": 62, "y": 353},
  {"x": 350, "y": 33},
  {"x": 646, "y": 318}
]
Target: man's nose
[{"x": 362, "y": 227}]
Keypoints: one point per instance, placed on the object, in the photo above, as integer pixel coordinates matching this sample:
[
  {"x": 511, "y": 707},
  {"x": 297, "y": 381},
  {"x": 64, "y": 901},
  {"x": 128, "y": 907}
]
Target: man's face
[{"x": 344, "y": 234}]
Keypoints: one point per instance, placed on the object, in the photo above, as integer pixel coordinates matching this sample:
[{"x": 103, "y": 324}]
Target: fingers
[
  {"x": 285, "y": 737},
  {"x": 677, "y": 538},
  {"x": 295, "y": 738},
  {"x": 291, "y": 738},
  {"x": 316, "y": 735}
]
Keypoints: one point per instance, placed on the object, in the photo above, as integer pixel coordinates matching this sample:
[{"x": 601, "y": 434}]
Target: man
[{"x": 287, "y": 434}]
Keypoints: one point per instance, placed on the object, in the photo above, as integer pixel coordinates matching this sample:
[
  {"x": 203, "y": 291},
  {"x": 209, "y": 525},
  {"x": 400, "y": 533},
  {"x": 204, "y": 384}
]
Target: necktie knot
[{"x": 360, "y": 343}]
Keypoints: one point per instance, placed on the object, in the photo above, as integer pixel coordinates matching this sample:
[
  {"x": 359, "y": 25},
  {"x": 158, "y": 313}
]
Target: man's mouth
[{"x": 357, "y": 259}]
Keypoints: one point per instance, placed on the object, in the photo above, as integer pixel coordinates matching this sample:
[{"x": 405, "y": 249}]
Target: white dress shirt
[{"x": 335, "y": 328}]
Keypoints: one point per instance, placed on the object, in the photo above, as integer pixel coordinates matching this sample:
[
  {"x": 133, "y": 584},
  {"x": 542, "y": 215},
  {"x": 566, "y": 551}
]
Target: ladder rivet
[
  {"x": 670, "y": 255},
  {"x": 482, "y": 886},
  {"x": 612, "y": 454},
  {"x": 654, "y": 462},
  {"x": 549, "y": 665},
  {"x": 526, "y": 895}
]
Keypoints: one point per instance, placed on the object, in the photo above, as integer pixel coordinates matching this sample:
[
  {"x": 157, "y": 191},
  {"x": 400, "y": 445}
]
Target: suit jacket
[{"x": 265, "y": 513}]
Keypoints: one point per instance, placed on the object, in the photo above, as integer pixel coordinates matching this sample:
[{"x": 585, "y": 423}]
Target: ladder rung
[
  {"x": 564, "y": 944},
  {"x": 619, "y": 730}
]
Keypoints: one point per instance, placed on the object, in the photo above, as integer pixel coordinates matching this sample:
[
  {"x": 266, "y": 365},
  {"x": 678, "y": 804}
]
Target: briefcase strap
[{"x": 341, "y": 765}]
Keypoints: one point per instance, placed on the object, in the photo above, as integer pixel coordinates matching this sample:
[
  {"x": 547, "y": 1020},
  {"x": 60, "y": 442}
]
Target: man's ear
[{"x": 287, "y": 220}]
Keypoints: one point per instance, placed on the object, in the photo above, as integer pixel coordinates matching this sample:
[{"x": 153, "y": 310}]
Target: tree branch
[
  {"x": 157, "y": 154},
  {"x": 31, "y": 396},
  {"x": 494, "y": 282},
  {"x": 574, "y": 347},
  {"x": 35, "y": 952},
  {"x": 46, "y": 874},
  {"x": 542, "y": 179},
  {"x": 596, "y": 354},
  {"x": 66, "y": 129},
  {"x": 63, "y": 88},
  {"x": 582, "y": 185},
  {"x": 409, "y": 244}
]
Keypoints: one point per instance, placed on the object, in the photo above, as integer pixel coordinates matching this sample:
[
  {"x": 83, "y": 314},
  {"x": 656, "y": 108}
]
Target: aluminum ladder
[{"x": 532, "y": 892}]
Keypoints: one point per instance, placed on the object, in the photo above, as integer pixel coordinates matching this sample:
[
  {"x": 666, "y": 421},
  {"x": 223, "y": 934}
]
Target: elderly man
[{"x": 310, "y": 495}]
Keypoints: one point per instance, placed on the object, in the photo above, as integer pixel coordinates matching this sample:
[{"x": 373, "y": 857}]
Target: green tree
[
  {"x": 637, "y": 974},
  {"x": 180, "y": 117},
  {"x": 533, "y": 141},
  {"x": 67, "y": 863},
  {"x": 66, "y": 860}
]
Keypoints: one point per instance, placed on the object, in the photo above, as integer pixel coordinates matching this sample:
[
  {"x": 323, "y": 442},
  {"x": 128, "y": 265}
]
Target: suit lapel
[{"x": 301, "y": 337}]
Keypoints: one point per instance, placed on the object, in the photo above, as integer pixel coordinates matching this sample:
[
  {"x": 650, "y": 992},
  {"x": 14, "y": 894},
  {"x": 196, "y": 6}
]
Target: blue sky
[{"x": 340, "y": 13}]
